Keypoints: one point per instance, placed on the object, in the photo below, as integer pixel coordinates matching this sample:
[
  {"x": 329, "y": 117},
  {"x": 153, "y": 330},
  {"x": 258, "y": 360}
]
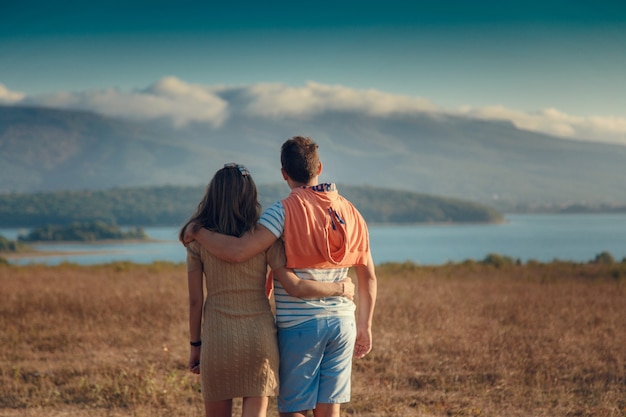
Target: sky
[{"x": 554, "y": 66}]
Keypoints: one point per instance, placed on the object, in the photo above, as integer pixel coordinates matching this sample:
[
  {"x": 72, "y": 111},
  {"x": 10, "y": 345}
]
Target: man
[{"x": 324, "y": 235}]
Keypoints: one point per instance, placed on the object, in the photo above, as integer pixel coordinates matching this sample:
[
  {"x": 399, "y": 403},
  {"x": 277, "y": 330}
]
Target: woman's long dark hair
[{"x": 230, "y": 205}]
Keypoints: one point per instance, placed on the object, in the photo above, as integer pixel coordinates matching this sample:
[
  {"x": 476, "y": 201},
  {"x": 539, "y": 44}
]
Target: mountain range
[{"x": 490, "y": 162}]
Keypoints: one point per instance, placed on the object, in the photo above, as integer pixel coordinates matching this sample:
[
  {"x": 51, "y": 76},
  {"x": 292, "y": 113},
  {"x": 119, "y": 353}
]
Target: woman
[{"x": 236, "y": 334}]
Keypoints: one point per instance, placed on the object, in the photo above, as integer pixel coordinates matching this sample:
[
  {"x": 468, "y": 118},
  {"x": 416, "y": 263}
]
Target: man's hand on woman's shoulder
[{"x": 190, "y": 233}]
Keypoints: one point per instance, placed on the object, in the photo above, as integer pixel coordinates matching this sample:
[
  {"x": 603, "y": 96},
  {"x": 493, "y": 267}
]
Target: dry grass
[{"x": 455, "y": 340}]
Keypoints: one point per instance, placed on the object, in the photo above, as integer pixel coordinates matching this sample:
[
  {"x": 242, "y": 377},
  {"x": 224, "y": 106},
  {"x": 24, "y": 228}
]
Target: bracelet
[{"x": 196, "y": 344}]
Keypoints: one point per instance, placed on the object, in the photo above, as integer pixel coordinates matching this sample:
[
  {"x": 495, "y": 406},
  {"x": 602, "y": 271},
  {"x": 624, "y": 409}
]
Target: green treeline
[
  {"x": 172, "y": 205},
  {"x": 82, "y": 232},
  {"x": 7, "y": 245}
]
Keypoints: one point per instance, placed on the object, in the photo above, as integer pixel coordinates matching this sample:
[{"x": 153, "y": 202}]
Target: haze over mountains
[{"x": 44, "y": 149}]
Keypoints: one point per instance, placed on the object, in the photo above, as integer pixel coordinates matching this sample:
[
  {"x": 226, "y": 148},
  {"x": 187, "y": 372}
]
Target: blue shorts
[{"x": 315, "y": 363}]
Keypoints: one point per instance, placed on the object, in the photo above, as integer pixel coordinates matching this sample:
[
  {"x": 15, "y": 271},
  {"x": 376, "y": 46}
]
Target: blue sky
[{"x": 517, "y": 57}]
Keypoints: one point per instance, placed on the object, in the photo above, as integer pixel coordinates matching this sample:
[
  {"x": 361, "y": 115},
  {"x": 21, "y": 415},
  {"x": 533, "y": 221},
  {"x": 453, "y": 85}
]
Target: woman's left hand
[{"x": 194, "y": 359}]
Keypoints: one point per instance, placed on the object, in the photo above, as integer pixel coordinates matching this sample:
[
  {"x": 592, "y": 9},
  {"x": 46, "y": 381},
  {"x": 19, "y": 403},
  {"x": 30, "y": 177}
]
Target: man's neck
[{"x": 293, "y": 184}]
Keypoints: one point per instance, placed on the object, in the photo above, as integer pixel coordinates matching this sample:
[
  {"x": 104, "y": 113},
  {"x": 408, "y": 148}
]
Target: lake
[{"x": 540, "y": 237}]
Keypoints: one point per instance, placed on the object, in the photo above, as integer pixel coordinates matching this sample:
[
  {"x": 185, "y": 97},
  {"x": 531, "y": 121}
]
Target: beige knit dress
[{"x": 239, "y": 356}]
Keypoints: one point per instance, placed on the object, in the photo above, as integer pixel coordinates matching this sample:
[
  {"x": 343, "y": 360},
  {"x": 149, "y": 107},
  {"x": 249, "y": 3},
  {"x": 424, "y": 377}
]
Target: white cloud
[
  {"x": 183, "y": 102},
  {"x": 9, "y": 97},
  {"x": 277, "y": 100},
  {"x": 168, "y": 98},
  {"x": 554, "y": 122}
]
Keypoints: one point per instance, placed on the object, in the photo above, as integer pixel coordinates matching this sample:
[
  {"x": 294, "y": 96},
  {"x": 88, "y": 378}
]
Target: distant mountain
[{"x": 483, "y": 161}]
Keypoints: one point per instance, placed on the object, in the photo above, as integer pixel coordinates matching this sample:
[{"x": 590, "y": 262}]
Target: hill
[
  {"x": 483, "y": 161},
  {"x": 169, "y": 205}
]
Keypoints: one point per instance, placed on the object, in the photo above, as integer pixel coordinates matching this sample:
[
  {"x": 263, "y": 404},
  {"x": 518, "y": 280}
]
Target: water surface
[{"x": 541, "y": 237}]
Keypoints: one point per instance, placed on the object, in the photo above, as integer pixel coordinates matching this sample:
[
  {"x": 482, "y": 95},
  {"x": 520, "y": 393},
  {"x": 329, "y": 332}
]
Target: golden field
[{"x": 466, "y": 339}]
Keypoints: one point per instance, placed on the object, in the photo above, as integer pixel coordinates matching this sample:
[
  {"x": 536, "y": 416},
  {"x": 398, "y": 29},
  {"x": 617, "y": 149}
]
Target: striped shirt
[{"x": 291, "y": 311}]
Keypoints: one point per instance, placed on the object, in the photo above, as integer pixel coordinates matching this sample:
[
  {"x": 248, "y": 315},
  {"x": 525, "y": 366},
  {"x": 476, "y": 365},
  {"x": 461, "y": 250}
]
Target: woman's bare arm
[{"x": 305, "y": 288}]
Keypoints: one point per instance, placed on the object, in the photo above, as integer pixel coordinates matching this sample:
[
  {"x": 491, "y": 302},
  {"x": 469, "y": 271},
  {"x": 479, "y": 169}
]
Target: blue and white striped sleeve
[{"x": 273, "y": 218}]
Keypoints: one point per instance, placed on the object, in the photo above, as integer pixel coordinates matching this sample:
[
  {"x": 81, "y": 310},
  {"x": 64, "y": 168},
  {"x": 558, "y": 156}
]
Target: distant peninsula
[
  {"x": 173, "y": 205},
  {"x": 82, "y": 232}
]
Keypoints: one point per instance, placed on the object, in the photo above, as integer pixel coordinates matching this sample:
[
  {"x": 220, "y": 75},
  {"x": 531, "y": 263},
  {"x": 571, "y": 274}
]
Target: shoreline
[
  {"x": 44, "y": 254},
  {"x": 37, "y": 253}
]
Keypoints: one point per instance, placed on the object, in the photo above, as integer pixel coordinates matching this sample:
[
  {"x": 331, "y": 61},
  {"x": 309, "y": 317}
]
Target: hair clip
[{"x": 242, "y": 169}]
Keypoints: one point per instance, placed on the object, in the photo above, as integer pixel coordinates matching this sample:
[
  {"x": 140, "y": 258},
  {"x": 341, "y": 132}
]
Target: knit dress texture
[{"x": 239, "y": 355}]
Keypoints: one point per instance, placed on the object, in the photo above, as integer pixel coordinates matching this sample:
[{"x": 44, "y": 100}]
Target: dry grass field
[{"x": 456, "y": 340}]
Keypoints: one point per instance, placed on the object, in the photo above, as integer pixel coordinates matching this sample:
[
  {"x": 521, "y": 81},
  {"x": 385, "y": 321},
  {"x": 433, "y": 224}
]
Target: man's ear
[
  {"x": 285, "y": 176},
  {"x": 319, "y": 169}
]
